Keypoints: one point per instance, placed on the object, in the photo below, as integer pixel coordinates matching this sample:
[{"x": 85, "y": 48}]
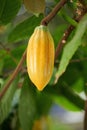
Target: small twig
[
  {"x": 18, "y": 68},
  {"x": 72, "y": 61},
  {"x": 78, "y": 60},
  {"x": 49, "y": 17},
  {"x": 85, "y": 116}
]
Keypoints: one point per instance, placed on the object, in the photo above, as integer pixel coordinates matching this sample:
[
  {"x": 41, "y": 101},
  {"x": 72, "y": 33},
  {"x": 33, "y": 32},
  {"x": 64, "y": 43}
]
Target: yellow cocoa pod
[{"x": 40, "y": 57}]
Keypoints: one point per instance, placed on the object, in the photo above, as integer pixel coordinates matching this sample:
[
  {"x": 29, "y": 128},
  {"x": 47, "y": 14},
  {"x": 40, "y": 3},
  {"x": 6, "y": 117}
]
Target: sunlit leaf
[{"x": 72, "y": 46}]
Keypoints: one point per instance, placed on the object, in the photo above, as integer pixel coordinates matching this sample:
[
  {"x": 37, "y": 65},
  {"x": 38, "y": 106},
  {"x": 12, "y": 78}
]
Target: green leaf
[
  {"x": 72, "y": 101},
  {"x": 35, "y": 6},
  {"x": 45, "y": 100},
  {"x": 27, "y": 106},
  {"x": 72, "y": 97},
  {"x": 18, "y": 51},
  {"x": 66, "y": 104},
  {"x": 9, "y": 63},
  {"x": 72, "y": 5},
  {"x": 2, "y": 4},
  {"x": 6, "y": 102},
  {"x": 10, "y": 60},
  {"x": 68, "y": 18},
  {"x": 75, "y": 82},
  {"x": 84, "y": 40},
  {"x": 57, "y": 0},
  {"x": 8, "y": 10},
  {"x": 1, "y": 66},
  {"x": 72, "y": 46},
  {"x": 24, "y": 29},
  {"x": 78, "y": 85}
]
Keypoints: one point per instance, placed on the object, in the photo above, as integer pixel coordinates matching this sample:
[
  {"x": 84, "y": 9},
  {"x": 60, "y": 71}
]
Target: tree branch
[
  {"x": 63, "y": 40},
  {"x": 67, "y": 33},
  {"x": 45, "y": 21},
  {"x": 50, "y": 16},
  {"x": 18, "y": 68}
]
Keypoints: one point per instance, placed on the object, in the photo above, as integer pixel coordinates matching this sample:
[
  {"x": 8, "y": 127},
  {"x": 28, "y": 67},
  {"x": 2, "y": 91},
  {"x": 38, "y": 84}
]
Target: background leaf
[
  {"x": 44, "y": 102},
  {"x": 65, "y": 103},
  {"x": 24, "y": 29},
  {"x": 72, "y": 46},
  {"x": 27, "y": 106},
  {"x": 8, "y": 10},
  {"x": 57, "y": 35},
  {"x": 75, "y": 82},
  {"x": 78, "y": 85},
  {"x": 35, "y": 6},
  {"x": 6, "y": 102},
  {"x": 72, "y": 100}
]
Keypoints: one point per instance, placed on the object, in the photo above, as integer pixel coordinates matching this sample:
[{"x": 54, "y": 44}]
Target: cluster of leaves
[{"x": 14, "y": 35}]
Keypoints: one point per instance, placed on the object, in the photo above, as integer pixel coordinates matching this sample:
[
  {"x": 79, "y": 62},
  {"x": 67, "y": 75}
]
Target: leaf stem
[
  {"x": 50, "y": 16},
  {"x": 18, "y": 68}
]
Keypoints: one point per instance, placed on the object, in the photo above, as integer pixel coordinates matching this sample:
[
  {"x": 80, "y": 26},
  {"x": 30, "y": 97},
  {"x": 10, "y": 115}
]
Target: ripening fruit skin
[{"x": 40, "y": 57}]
